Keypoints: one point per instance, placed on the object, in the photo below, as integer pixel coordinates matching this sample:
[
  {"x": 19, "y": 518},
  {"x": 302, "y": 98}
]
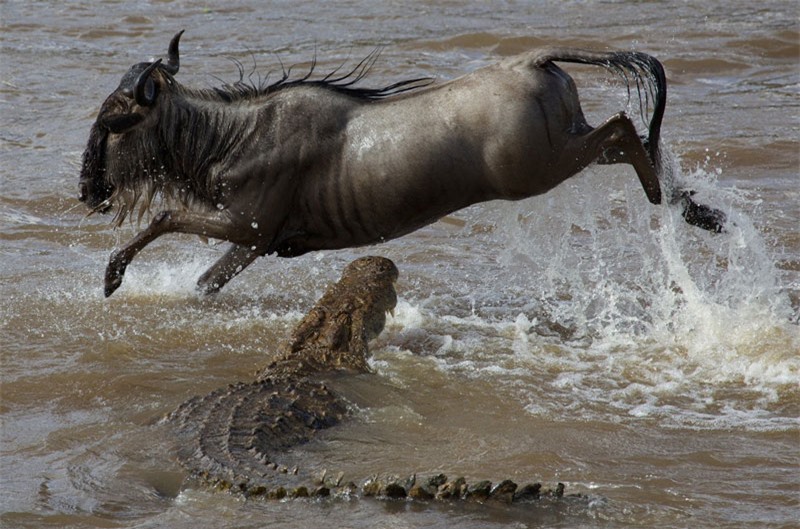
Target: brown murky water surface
[{"x": 583, "y": 336}]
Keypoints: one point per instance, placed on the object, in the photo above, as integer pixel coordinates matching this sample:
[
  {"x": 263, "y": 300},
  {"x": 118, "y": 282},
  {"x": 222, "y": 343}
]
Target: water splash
[
  {"x": 165, "y": 279},
  {"x": 618, "y": 310}
]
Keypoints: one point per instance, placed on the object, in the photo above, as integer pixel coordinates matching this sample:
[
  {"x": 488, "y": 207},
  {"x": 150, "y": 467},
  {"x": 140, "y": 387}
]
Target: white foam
[{"x": 164, "y": 279}]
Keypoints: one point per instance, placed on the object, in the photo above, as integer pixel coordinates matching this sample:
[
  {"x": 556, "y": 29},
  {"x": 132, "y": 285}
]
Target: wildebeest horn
[
  {"x": 173, "y": 60},
  {"x": 140, "y": 87}
]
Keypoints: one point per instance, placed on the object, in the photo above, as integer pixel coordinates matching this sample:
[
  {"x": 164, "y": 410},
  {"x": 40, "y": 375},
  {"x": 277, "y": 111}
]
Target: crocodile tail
[
  {"x": 233, "y": 438},
  {"x": 233, "y": 434}
]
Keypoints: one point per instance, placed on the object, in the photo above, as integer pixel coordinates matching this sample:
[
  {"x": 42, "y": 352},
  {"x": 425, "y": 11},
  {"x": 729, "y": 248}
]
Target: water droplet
[
  {"x": 220, "y": 206},
  {"x": 254, "y": 225}
]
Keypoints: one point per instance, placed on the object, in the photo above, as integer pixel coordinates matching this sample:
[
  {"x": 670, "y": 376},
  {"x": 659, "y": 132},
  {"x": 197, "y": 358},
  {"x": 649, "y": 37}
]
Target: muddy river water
[{"x": 583, "y": 337}]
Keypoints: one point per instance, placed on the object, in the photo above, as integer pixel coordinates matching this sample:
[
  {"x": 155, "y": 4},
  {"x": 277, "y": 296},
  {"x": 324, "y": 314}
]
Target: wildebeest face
[
  {"x": 93, "y": 188},
  {"x": 121, "y": 112},
  {"x": 125, "y": 109}
]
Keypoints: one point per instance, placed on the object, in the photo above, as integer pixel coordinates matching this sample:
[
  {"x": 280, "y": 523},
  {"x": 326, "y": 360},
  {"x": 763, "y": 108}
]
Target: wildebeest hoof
[
  {"x": 114, "y": 272},
  {"x": 112, "y": 284},
  {"x": 207, "y": 289},
  {"x": 701, "y": 215}
]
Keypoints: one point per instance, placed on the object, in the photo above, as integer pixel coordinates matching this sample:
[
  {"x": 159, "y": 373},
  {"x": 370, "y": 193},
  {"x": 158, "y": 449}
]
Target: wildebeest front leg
[
  {"x": 212, "y": 225},
  {"x": 236, "y": 259}
]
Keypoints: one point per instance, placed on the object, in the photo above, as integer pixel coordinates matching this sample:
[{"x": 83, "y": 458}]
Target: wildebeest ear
[
  {"x": 119, "y": 124},
  {"x": 145, "y": 89}
]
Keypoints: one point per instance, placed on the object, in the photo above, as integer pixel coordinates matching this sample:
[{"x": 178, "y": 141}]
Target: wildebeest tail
[{"x": 641, "y": 69}]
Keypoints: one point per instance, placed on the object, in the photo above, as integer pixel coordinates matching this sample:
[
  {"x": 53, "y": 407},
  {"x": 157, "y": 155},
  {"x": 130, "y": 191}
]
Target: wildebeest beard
[
  {"x": 116, "y": 175},
  {"x": 94, "y": 189}
]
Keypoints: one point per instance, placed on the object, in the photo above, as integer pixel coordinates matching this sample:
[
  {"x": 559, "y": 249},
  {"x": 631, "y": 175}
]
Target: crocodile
[{"x": 233, "y": 438}]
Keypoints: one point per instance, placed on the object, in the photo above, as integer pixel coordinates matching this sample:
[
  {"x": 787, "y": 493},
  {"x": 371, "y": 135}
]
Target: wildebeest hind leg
[
  {"x": 700, "y": 215},
  {"x": 619, "y": 143},
  {"x": 236, "y": 259},
  {"x": 616, "y": 141},
  {"x": 208, "y": 225}
]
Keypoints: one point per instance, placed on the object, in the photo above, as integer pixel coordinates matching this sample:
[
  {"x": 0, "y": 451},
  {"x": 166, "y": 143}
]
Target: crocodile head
[
  {"x": 334, "y": 334},
  {"x": 357, "y": 305}
]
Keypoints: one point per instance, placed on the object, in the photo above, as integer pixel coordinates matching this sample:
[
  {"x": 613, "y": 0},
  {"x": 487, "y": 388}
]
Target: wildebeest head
[{"x": 123, "y": 112}]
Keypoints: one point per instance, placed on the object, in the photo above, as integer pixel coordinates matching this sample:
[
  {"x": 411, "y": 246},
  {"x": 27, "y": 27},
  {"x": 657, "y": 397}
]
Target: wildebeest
[{"x": 318, "y": 163}]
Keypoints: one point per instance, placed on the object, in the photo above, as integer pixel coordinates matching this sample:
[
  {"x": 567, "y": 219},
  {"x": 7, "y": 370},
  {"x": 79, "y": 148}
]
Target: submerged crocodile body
[{"x": 234, "y": 437}]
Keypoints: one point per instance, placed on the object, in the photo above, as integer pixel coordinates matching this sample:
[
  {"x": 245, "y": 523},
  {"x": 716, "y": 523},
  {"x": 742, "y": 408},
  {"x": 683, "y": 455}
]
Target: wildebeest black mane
[{"x": 345, "y": 83}]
